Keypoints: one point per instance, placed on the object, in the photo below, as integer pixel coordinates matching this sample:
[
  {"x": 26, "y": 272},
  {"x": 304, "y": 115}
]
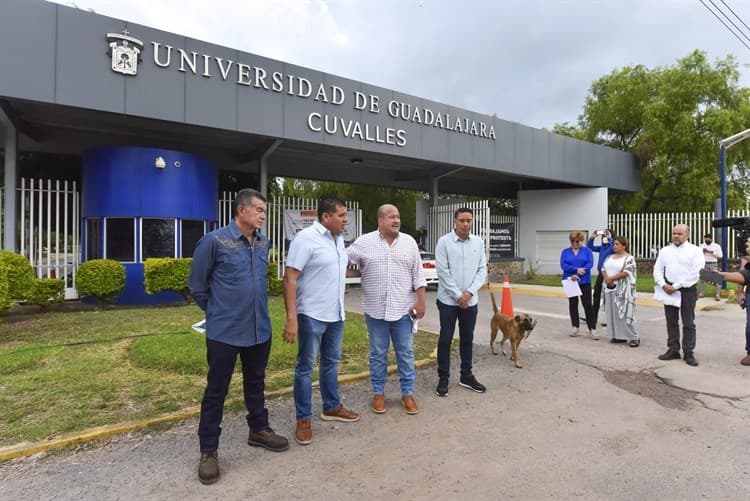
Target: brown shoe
[
  {"x": 208, "y": 468},
  {"x": 701, "y": 296},
  {"x": 717, "y": 298},
  {"x": 269, "y": 439},
  {"x": 303, "y": 433},
  {"x": 340, "y": 414},
  {"x": 410, "y": 406},
  {"x": 378, "y": 404},
  {"x": 746, "y": 360}
]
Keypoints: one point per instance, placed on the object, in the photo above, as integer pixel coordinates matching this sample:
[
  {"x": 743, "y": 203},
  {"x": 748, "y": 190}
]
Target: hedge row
[
  {"x": 18, "y": 283},
  {"x": 101, "y": 278}
]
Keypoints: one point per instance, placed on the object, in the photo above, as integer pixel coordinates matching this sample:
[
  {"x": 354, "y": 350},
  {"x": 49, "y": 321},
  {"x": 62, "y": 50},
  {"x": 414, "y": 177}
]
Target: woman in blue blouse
[{"x": 576, "y": 262}]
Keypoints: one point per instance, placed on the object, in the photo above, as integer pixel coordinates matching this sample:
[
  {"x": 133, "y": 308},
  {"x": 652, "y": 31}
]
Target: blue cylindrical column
[{"x": 137, "y": 201}]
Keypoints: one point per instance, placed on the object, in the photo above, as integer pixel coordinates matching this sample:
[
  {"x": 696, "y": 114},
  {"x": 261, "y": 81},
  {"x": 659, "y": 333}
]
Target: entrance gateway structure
[{"x": 157, "y": 124}]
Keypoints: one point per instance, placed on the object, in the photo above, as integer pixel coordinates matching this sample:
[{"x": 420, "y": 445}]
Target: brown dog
[{"x": 514, "y": 329}]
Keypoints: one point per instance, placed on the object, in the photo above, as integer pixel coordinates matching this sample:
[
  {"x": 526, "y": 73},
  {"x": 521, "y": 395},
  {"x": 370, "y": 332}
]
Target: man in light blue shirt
[
  {"x": 462, "y": 270},
  {"x": 314, "y": 280}
]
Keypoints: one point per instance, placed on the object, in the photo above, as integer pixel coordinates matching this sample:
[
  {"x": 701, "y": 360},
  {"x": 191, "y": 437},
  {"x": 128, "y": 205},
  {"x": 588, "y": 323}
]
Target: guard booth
[{"x": 141, "y": 203}]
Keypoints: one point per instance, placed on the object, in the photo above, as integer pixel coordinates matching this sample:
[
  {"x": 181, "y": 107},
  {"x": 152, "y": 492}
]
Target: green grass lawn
[{"x": 63, "y": 372}]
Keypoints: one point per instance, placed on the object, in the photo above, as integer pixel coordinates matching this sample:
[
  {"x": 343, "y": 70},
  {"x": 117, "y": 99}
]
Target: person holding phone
[
  {"x": 393, "y": 295},
  {"x": 604, "y": 250}
]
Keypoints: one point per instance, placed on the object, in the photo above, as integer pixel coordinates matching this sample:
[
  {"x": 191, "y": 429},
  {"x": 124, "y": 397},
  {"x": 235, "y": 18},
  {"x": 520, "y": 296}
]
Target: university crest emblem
[{"x": 125, "y": 51}]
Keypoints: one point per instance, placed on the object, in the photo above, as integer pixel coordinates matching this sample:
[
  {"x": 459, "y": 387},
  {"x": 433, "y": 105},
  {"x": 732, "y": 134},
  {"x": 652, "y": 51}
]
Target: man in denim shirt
[{"x": 228, "y": 281}]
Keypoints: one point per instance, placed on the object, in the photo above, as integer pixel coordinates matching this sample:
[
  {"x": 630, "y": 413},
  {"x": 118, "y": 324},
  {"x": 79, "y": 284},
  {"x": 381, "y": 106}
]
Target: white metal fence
[
  {"x": 49, "y": 228},
  {"x": 648, "y": 233},
  {"x": 274, "y": 224},
  {"x": 440, "y": 222}
]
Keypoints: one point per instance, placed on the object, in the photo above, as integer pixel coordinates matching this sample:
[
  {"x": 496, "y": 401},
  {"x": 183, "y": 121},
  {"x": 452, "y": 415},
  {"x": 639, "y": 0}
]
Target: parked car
[{"x": 429, "y": 268}]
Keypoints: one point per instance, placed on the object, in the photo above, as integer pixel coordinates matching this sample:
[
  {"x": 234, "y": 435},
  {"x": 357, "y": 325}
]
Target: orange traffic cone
[{"x": 506, "y": 307}]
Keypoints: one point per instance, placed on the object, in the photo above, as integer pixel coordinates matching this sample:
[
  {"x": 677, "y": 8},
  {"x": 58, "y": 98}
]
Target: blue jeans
[
  {"x": 747, "y": 329},
  {"x": 381, "y": 332},
  {"x": 313, "y": 336},
  {"x": 467, "y": 319}
]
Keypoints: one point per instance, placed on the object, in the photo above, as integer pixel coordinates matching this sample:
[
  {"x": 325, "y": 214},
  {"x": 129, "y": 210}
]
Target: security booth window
[
  {"x": 158, "y": 238},
  {"x": 93, "y": 242},
  {"x": 119, "y": 239},
  {"x": 191, "y": 232}
]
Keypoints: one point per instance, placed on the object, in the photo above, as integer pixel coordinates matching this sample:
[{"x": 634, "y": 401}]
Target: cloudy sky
[{"x": 528, "y": 61}]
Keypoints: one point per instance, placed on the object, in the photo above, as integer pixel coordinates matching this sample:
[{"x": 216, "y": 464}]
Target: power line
[
  {"x": 735, "y": 14},
  {"x": 729, "y": 19},
  {"x": 724, "y": 23}
]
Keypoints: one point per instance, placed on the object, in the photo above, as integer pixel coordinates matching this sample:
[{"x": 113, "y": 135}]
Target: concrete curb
[
  {"x": 24, "y": 449},
  {"x": 553, "y": 292}
]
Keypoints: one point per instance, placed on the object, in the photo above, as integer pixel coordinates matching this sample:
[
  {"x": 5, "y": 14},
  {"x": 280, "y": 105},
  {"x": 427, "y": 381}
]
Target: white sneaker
[
  {"x": 575, "y": 332},
  {"x": 594, "y": 335}
]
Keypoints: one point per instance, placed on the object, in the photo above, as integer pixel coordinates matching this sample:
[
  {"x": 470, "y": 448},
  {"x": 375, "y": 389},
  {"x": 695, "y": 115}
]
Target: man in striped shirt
[{"x": 391, "y": 271}]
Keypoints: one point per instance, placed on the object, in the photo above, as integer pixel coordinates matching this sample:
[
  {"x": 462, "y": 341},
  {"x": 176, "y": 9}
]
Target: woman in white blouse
[{"x": 619, "y": 273}]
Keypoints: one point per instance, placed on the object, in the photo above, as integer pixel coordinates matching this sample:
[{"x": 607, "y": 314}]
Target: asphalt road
[{"x": 582, "y": 419}]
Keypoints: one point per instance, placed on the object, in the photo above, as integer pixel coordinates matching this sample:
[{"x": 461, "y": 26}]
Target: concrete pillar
[
  {"x": 10, "y": 144},
  {"x": 264, "y": 167}
]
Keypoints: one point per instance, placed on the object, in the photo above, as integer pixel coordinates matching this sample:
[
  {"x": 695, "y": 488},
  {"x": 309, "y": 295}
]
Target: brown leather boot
[
  {"x": 208, "y": 468},
  {"x": 378, "y": 404},
  {"x": 410, "y": 405},
  {"x": 303, "y": 434}
]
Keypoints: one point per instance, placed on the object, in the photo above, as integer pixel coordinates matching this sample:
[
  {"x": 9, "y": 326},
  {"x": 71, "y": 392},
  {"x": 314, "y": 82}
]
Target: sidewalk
[
  {"x": 582, "y": 419},
  {"x": 642, "y": 298}
]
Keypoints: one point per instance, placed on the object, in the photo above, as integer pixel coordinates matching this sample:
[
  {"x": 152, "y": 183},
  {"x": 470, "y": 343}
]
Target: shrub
[
  {"x": 101, "y": 278},
  {"x": 275, "y": 284},
  {"x": 47, "y": 291},
  {"x": 167, "y": 274},
  {"x": 5, "y": 300},
  {"x": 20, "y": 275}
]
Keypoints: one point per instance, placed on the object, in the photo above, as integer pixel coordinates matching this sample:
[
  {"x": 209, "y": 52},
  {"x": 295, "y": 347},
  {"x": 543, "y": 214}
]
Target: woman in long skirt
[{"x": 619, "y": 272}]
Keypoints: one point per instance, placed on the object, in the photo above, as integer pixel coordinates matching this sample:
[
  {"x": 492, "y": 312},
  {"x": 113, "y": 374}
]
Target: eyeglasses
[{"x": 575, "y": 241}]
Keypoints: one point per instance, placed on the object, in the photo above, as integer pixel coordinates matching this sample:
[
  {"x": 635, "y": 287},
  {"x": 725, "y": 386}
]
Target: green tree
[{"x": 672, "y": 119}]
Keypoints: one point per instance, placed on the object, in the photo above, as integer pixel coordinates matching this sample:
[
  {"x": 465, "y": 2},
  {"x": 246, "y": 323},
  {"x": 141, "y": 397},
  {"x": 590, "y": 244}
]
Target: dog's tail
[{"x": 494, "y": 304}]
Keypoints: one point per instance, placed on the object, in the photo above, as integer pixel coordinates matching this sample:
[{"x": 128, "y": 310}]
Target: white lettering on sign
[
  {"x": 257, "y": 77},
  {"x": 353, "y": 129}
]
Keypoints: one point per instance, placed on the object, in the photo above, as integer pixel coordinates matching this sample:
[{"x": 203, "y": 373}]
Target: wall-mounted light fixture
[{"x": 160, "y": 163}]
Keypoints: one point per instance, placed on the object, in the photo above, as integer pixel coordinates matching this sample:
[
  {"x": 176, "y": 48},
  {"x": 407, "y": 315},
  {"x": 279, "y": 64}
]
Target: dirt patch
[{"x": 647, "y": 384}]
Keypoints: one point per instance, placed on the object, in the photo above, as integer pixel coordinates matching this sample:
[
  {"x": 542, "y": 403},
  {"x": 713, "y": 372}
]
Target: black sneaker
[
  {"x": 208, "y": 468},
  {"x": 471, "y": 383},
  {"x": 442, "y": 387},
  {"x": 268, "y": 439}
]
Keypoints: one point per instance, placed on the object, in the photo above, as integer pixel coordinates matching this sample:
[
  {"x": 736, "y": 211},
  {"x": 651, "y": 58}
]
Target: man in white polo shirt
[{"x": 314, "y": 280}]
